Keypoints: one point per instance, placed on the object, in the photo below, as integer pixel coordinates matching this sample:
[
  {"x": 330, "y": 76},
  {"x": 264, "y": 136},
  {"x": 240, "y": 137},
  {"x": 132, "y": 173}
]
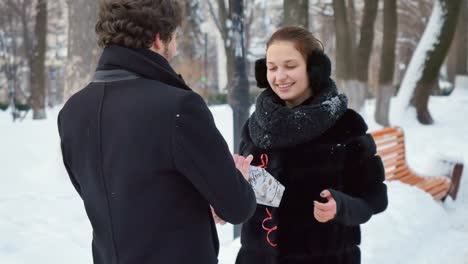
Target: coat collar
[{"x": 142, "y": 62}]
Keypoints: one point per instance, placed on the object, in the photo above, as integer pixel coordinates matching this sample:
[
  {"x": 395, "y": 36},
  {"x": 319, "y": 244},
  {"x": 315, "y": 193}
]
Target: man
[{"x": 142, "y": 150}]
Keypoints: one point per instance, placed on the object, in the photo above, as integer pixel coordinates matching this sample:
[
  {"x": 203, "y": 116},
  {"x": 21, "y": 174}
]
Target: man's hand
[
  {"x": 243, "y": 164},
  {"x": 216, "y": 218},
  {"x": 325, "y": 212}
]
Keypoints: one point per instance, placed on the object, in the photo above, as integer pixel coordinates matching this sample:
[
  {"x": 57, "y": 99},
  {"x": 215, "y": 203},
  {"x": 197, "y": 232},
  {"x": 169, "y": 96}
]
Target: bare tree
[
  {"x": 296, "y": 12},
  {"x": 234, "y": 31},
  {"x": 223, "y": 23},
  {"x": 191, "y": 42},
  {"x": 458, "y": 55},
  {"x": 387, "y": 62},
  {"x": 24, "y": 10},
  {"x": 425, "y": 64},
  {"x": 57, "y": 52},
  {"x": 8, "y": 54},
  {"x": 363, "y": 52},
  {"x": 190, "y": 47},
  {"x": 412, "y": 19},
  {"x": 38, "y": 75},
  {"x": 343, "y": 43},
  {"x": 352, "y": 64},
  {"x": 323, "y": 24},
  {"x": 221, "y": 15},
  {"x": 352, "y": 25},
  {"x": 18, "y": 22},
  {"x": 83, "y": 51}
]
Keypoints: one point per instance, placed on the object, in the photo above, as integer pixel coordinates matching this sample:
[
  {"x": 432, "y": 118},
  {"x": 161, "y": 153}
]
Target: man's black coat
[{"x": 143, "y": 152}]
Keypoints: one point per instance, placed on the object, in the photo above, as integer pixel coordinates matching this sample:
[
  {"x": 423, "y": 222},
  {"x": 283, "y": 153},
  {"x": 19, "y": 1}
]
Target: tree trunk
[
  {"x": 28, "y": 48},
  {"x": 345, "y": 73},
  {"x": 435, "y": 59},
  {"x": 296, "y": 12},
  {"x": 366, "y": 40},
  {"x": 38, "y": 89},
  {"x": 386, "y": 89},
  {"x": 352, "y": 27},
  {"x": 363, "y": 52},
  {"x": 343, "y": 41},
  {"x": 457, "y": 57},
  {"x": 422, "y": 74},
  {"x": 83, "y": 51},
  {"x": 5, "y": 68},
  {"x": 421, "y": 101}
]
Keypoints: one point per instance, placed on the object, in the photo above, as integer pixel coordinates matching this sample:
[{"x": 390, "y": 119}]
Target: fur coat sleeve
[{"x": 365, "y": 193}]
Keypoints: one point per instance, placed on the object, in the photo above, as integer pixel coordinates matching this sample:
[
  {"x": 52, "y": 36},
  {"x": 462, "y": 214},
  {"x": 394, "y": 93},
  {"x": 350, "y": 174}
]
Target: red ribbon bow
[{"x": 264, "y": 160}]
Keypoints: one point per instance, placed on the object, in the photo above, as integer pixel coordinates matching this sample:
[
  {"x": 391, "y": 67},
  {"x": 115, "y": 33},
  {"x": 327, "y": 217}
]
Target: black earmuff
[
  {"x": 318, "y": 70},
  {"x": 261, "y": 73}
]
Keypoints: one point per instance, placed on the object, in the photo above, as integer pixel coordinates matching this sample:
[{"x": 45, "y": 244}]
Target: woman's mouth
[{"x": 284, "y": 87}]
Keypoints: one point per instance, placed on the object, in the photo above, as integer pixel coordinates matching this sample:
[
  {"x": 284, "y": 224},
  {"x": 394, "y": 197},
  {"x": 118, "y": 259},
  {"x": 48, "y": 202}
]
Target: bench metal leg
[{"x": 456, "y": 178}]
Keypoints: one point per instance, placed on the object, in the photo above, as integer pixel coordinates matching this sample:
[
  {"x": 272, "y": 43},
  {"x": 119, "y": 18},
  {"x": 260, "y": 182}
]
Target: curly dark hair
[{"x": 135, "y": 23}]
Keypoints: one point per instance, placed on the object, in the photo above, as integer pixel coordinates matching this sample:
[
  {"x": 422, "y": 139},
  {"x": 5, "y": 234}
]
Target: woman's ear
[
  {"x": 318, "y": 70},
  {"x": 261, "y": 73}
]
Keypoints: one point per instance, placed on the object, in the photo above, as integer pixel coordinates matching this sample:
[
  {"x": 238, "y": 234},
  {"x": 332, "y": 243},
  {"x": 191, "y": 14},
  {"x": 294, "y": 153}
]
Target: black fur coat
[{"x": 338, "y": 155}]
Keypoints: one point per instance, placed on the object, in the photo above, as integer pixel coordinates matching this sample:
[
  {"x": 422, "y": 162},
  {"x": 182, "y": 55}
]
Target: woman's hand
[
  {"x": 243, "y": 164},
  {"x": 325, "y": 212}
]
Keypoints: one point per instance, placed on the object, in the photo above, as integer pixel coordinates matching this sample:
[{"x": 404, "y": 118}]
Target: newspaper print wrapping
[{"x": 268, "y": 190}]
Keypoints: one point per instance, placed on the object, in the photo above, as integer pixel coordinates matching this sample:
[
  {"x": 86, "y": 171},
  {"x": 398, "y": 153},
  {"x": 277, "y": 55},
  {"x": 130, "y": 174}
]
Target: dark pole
[
  {"x": 206, "y": 64},
  {"x": 240, "y": 85}
]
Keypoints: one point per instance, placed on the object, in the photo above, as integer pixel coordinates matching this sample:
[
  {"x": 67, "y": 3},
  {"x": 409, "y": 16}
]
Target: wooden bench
[{"x": 390, "y": 143}]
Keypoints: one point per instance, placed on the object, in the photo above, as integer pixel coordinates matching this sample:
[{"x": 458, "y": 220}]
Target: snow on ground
[{"x": 42, "y": 219}]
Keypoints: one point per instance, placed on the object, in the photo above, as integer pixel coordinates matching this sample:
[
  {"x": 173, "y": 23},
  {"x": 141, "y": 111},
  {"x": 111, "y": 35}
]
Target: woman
[{"x": 303, "y": 134}]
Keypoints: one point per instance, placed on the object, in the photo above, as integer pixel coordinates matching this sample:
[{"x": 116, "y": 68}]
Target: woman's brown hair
[{"x": 304, "y": 41}]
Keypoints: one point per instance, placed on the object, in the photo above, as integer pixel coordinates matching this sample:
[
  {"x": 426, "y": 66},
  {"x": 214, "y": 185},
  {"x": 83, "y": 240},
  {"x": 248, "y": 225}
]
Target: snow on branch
[{"x": 429, "y": 40}]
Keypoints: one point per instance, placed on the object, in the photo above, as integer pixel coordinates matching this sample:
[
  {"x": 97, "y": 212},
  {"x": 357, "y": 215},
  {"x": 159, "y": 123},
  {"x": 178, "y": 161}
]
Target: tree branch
[
  {"x": 215, "y": 17},
  {"x": 14, "y": 6},
  {"x": 223, "y": 16}
]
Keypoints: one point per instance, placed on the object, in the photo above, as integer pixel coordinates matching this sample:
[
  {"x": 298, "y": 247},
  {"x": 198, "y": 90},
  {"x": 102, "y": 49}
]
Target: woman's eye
[
  {"x": 272, "y": 69},
  {"x": 291, "y": 66}
]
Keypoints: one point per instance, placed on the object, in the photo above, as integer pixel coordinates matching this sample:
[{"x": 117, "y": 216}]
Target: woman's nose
[{"x": 281, "y": 75}]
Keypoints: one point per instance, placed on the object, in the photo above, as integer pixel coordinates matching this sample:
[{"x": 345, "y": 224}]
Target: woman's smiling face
[{"x": 287, "y": 73}]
